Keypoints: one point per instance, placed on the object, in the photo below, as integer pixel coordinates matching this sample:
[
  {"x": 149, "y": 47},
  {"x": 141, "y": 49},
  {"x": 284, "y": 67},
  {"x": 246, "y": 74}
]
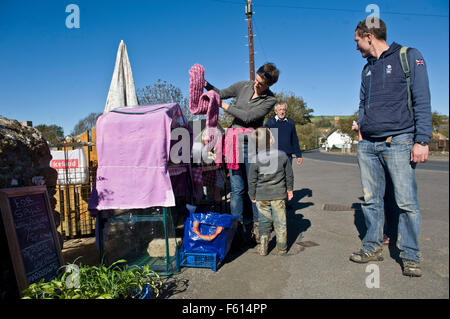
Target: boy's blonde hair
[{"x": 263, "y": 138}]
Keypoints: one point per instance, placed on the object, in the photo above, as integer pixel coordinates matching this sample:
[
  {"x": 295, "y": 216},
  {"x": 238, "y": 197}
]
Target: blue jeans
[
  {"x": 239, "y": 189},
  {"x": 374, "y": 159}
]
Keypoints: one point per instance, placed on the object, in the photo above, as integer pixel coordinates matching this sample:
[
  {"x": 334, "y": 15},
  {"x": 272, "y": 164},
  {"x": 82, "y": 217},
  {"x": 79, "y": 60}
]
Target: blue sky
[{"x": 54, "y": 75}]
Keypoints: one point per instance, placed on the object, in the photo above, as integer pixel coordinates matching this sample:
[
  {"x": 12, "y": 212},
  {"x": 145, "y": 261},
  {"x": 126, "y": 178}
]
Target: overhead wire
[
  {"x": 258, "y": 35},
  {"x": 334, "y": 9}
]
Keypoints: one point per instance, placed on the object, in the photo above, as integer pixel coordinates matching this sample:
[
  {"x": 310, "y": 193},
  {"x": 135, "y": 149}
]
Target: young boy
[{"x": 270, "y": 180}]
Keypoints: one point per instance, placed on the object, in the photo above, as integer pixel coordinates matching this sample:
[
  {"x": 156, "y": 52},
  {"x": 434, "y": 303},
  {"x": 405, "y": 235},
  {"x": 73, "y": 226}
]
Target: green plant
[{"x": 92, "y": 282}]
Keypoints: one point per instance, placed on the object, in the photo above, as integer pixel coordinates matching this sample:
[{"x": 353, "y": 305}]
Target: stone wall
[{"x": 24, "y": 161}]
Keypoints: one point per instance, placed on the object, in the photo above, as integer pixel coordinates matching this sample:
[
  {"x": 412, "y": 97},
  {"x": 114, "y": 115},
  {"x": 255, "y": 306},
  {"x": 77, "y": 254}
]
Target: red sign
[{"x": 63, "y": 164}]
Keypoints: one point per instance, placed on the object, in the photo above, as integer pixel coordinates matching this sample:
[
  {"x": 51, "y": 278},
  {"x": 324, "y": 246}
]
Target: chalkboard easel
[{"x": 31, "y": 233}]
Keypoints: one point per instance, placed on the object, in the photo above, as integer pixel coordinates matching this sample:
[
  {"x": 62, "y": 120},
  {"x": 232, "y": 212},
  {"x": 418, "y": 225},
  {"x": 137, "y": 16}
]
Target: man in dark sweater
[{"x": 285, "y": 133}]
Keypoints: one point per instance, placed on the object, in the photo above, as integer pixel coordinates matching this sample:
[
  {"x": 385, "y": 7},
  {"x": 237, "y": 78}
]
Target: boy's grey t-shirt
[{"x": 270, "y": 176}]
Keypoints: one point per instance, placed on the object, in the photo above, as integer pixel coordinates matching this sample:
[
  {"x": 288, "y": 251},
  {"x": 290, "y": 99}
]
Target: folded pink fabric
[
  {"x": 196, "y": 84},
  {"x": 228, "y": 147}
]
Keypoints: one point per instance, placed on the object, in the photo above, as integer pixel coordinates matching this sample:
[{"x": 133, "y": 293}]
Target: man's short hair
[
  {"x": 376, "y": 27},
  {"x": 269, "y": 73},
  {"x": 279, "y": 104}
]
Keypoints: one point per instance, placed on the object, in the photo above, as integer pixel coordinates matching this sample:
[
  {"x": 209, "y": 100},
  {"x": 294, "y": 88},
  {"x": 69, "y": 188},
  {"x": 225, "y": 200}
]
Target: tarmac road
[
  {"x": 434, "y": 163},
  {"x": 324, "y": 271}
]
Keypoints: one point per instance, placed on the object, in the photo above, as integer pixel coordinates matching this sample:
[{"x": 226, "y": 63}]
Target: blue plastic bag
[
  {"x": 209, "y": 233},
  {"x": 145, "y": 292}
]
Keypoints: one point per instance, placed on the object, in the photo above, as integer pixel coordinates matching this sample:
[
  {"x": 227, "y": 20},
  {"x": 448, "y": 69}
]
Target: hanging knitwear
[
  {"x": 227, "y": 149},
  {"x": 204, "y": 103},
  {"x": 209, "y": 104},
  {"x": 196, "y": 84}
]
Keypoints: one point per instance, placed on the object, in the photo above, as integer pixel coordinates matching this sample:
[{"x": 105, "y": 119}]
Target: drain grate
[{"x": 337, "y": 207}]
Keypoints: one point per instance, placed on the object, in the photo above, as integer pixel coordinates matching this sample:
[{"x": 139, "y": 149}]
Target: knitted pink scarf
[
  {"x": 199, "y": 102},
  {"x": 196, "y": 84},
  {"x": 204, "y": 103}
]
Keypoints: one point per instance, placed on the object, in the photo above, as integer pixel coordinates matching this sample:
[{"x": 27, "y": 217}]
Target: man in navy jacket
[
  {"x": 286, "y": 134},
  {"x": 394, "y": 131}
]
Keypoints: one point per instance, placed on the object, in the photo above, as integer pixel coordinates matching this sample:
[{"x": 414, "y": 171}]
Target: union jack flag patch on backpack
[{"x": 419, "y": 61}]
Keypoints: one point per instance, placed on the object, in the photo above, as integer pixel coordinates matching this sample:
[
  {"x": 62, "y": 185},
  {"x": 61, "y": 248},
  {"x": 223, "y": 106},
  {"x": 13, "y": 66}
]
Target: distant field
[{"x": 328, "y": 117}]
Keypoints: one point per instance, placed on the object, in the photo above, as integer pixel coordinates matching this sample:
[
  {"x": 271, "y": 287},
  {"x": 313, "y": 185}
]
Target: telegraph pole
[{"x": 248, "y": 13}]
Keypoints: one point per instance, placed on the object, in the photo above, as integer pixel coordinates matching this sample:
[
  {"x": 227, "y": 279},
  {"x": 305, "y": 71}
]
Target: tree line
[{"x": 309, "y": 128}]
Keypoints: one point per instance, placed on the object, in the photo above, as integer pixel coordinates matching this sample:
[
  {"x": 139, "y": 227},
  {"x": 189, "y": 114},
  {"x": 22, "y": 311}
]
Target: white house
[{"x": 338, "y": 139}]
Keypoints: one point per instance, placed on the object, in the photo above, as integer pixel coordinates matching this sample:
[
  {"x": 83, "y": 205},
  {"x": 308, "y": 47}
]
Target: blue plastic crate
[{"x": 200, "y": 260}]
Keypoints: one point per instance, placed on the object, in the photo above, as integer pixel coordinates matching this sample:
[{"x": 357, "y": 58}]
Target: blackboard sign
[{"x": 31, "y": 233}]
